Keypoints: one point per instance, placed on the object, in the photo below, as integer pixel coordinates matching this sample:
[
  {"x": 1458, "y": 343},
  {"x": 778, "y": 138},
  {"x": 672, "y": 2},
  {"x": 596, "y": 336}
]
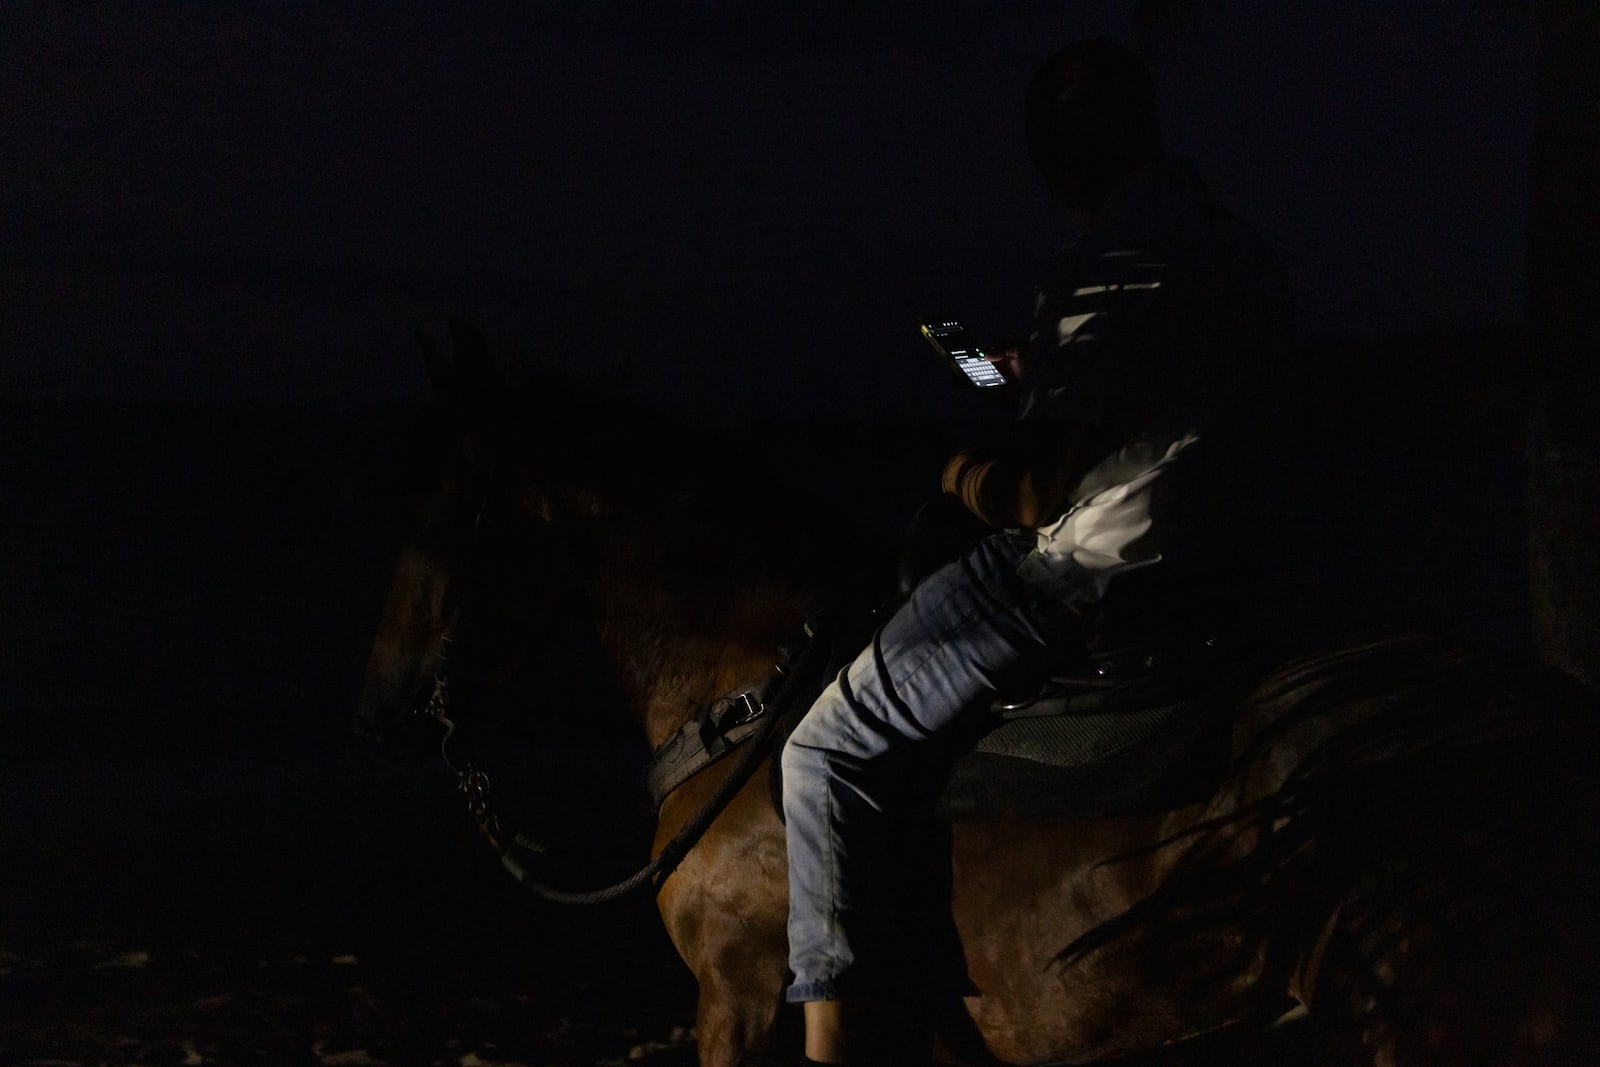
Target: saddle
[{"x": 1084, "y": 749}]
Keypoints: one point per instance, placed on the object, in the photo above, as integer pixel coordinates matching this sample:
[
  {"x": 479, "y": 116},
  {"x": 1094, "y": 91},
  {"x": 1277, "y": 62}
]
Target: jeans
[{"x": 966, "y": 631}]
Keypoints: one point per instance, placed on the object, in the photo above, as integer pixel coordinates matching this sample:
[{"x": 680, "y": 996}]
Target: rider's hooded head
[{"x": 1091, "y": 121}]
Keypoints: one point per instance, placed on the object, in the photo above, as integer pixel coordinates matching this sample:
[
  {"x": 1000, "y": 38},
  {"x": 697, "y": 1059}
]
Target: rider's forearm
[
  {"x": 1024, "y": 483},
  {"x": 971, "y": 478}
]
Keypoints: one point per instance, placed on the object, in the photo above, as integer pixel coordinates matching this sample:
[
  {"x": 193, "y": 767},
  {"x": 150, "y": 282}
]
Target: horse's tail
[
  {"x": 1478, "y": 941},
  {"x": 1421, "y": 969}
]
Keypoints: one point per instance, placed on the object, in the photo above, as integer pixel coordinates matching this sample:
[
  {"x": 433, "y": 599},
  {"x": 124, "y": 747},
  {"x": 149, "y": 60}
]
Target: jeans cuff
[{"x": 806, "y": 992}]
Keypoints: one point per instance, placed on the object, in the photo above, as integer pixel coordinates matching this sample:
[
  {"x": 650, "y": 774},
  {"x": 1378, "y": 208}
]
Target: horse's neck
[{"x": 682, "y": 632}]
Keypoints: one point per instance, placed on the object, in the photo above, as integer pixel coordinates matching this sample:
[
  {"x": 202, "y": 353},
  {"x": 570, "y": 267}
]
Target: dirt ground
[
  {"x": 90, "y": 1003},
  {"x": 303, "y": 908}
]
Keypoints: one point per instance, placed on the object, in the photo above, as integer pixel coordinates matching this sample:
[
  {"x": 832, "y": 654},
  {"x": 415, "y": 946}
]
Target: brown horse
[{"x": 1400, "y": 842}]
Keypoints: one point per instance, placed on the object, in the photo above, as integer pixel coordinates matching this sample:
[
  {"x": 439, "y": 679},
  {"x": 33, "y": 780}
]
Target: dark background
[
  {"x": 221, "y": 222},
  {"x": 251, "y": 202}
]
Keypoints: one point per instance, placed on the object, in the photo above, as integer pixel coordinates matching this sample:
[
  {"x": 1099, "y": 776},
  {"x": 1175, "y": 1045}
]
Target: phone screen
[{"x": 952, "y": 339}]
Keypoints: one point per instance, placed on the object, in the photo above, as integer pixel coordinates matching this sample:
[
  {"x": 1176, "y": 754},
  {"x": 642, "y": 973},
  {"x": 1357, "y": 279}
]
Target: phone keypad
[{"x": 981, "y": 372}]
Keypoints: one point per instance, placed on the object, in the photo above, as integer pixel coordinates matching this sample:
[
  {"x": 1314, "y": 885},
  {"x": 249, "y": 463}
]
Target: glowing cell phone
[{"x": 951, "y": 340}]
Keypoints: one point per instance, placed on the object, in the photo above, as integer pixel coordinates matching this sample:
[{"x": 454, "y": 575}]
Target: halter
[
  {"x": 472, "y": 781},
  {"x": 476, "y": 787}
]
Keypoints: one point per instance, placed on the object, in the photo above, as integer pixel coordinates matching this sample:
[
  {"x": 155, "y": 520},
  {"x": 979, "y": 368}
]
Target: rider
[{"x": 1152, "y": 338}]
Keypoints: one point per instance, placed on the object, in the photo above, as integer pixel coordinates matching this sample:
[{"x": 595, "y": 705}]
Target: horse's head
[
  {"x": 479, "y": 576},
  {"x": 521, "y": 500}
]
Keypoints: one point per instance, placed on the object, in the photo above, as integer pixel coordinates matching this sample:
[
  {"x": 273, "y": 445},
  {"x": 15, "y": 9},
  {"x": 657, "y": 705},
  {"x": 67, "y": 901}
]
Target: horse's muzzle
[
  {"x": 403, "y": 735},
  {"x": 409, "y": 740}
]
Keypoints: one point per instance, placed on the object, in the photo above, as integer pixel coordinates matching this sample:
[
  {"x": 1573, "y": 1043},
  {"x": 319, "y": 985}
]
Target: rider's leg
[
  {"x": 824, "y": 1031},
  {"x": 961, "y": 635}
]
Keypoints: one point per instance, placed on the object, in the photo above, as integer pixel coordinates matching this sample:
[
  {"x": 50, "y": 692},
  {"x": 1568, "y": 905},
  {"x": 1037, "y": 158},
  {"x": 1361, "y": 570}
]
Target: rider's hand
[{"x": 1008, "y": 358}]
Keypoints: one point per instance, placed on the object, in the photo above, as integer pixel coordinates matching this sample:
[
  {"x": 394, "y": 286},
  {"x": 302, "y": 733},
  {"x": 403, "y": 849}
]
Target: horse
[{"x": 1397, "y": 842}]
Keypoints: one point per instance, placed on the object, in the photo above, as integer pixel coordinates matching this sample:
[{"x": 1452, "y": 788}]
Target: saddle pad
[
  {"x": 1058, "y": 763},
  {"x": 1064, "y": 739}
]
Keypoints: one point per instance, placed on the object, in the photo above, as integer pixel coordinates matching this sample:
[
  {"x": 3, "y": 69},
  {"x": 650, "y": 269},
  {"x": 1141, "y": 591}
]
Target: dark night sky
[{"x": 717, "y": 202}]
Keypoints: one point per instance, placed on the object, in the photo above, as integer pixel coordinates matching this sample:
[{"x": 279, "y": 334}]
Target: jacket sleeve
[{"x": 1025, "y": 481}]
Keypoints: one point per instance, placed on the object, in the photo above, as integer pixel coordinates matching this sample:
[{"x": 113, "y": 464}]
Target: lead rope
[{"x": 475, "y": 786}]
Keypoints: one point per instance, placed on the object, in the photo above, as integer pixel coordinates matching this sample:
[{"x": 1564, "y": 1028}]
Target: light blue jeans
[{"x": 965, "y": 631}]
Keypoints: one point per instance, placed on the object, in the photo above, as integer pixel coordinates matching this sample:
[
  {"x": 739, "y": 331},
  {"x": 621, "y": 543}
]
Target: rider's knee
[
  {"x": 800, "y": 763},
  {"x": 826, "y": 723},
  {"x": 809, "y": 751}
]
